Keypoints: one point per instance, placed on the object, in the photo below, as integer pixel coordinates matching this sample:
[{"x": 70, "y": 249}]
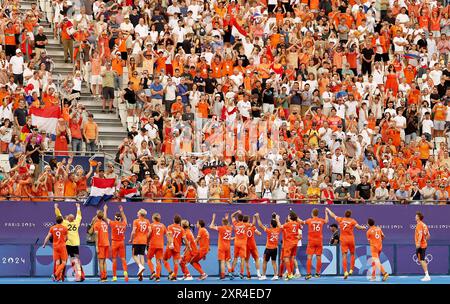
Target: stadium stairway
[{"x": 112, "y": 131}]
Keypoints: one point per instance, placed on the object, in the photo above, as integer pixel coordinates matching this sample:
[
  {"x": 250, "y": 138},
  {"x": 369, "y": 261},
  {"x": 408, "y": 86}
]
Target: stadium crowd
[{"x": 300, "y": 101}]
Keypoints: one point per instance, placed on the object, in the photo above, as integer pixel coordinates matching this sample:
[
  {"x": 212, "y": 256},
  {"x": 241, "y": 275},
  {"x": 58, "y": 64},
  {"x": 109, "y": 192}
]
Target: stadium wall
[{"x": 25, "y": 224}]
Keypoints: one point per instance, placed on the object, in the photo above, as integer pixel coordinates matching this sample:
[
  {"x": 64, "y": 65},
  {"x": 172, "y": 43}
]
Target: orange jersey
[
  {"x": 101, "y": 228},
  {"x": 290, "y": 230},
  {"x": 59, "y": 234},
  {"x": 421, "y": 235},
  {"x": 224, "y": 237},
  {"x": 191, "y": 240},
  {"x": 142, "y": 227},
  {"x": 375, "y": 237},
  {"x": 315, "y": 228},
  {"x": 240, "y": 230},
  {"x": 251, "y": 243},
  {"x": 177, "y": 234},
  {"x": 203, "y": 239},
  {"x": 346, "y": 226},
  {"x": 118, "y": 229},
  {"x": 273, "y": 235},
  {"x": 158, "y": 231}
]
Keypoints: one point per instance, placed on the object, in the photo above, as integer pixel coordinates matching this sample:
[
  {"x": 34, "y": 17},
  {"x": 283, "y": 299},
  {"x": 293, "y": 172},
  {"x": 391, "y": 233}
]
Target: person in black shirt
[
  {"x": 20, "y": 115},
  {"x": 40, "y": 41},
  {"x": 256, "y": 103},
  {"x": 422, "y": 42},
  {"x": 368, "y": 55},
  {"x": 33, "y": 150},
  {"x": 199, "y": 81},
  {"x": 135, "y": 16},
  {"x": 364, "y": 190},
  {"x": 159, "y": 120},
  {"x": 130, "y": 97},
  {"x": 210, "y": 83},
  {"x": 268, "y": 99},
  {"x": 335, "y": 234}
]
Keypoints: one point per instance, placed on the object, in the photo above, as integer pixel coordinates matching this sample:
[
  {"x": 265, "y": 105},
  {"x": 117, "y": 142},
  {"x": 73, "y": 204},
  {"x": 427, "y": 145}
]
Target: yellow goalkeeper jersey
[{"x": 73, "y": 238}]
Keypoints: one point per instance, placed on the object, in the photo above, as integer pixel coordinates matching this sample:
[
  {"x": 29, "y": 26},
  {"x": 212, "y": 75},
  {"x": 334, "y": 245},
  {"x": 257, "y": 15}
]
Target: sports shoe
[
  {"x": 125, "y": 278},
  {"x": 231, "y": 275},
  {"x": 140, "y": 278},
  {"x": 345, "y": 275},
  {"x": 262, "y": 278},
  {"x": 141, "y": 270},
  {"x": 308, "y": 276},
  {"x": 317, "y": 275},
  {"x": 188, "y": 278},
  {"x": 297, "y": 274},
  {"x": 275, "y": 278},
  {"x": 54, "y": 279},
  {"x": 373, "y": 279},
  {"x": 291, "y": 276},
  {"x": 104, "y": 280},
  {"x": 426, "y": 278},
  {"x": 385, "y": 276},
  {"x": 350, "y": 272},
  {"x": 203, "y": 277},
  {"x": 157, "y": 279},
  {"x": 170, "y": 275},
  {"x": 153, "y": 275},
  {"x": 173, "y": 278},
  {"x": 114, "y": 279},
  {"x": 248, "y": 277},
  {"x": 241, "y": 276}
]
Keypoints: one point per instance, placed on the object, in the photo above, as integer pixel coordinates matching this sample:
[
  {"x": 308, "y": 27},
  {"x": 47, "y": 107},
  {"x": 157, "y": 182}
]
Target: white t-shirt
[
  {"x": 400, "y": 121},
  {"x": 399, "y": 48},
  {"x": 427, "y": 125},
  {"x": 244, "y": 108},
  {"x": 142, "y": 30},
  {"x": 17, "y": 64}
]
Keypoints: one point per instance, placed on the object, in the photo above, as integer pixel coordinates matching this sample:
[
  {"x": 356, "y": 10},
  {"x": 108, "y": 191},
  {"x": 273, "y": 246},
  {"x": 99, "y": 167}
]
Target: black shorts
[
  {"x": 108, "y": 93},
  {"x": 139, "y": 249},
  {"x": 270, "y": 254},
  {"x": 420, "y": 252},
  {"x": 10, "y": 50},
  {"x": 73, "y": 251},
  {"x": 124, "y": 55}
]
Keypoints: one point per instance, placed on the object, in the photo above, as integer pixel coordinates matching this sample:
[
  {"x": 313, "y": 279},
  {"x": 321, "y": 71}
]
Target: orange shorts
[
  {"x": 118, "y": 249},
  {"x": 348, "y": 246},
  {"x": 240, "y": 251},
  {"x": 103, "y": 252},
  {"x": 187, "y": 257},
  {"x": 375, "y": 251},
  {"x": 170, "y": 253},
  {"x": 60, "y": 253},
  {"x": 314, "y": 249},
  {"x": 224, "y": 254},
  {"x": 158, "y": 253},
  {"x": 253, "y": 252},
  {"x": 289, "y": 250},
  {"x": 199, "y": 256}
]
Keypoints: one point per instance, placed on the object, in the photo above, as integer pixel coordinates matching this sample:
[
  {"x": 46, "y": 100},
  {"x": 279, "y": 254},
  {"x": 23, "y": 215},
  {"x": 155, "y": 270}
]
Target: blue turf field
[{"x": 213, "y": 280}]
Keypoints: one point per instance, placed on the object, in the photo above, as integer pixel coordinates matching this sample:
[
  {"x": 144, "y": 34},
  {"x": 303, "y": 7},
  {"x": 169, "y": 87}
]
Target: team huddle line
[{"x": 155, "y": 240}]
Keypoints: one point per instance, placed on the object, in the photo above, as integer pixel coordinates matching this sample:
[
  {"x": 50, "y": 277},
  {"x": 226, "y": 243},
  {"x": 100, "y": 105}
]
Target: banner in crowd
[
  {"x": 45, "y": 119},
  {"x": 25, "y": 222},
  {"x": 102, "y": 190}
]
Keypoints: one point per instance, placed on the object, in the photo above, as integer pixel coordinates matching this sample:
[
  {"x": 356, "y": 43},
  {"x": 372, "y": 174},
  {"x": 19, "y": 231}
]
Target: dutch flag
[{"x": 102, "y": 190}]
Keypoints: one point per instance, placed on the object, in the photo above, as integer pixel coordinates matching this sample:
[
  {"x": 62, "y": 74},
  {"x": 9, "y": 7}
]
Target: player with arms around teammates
[
  {"x": 139, "y": 239},
  {"x": 270, "y": 253},
  {"x": 118, "y": 228},
  {"x": 347, "y": 238},
  {"x": 176, "y": 234},
  {"x": 59, "y": 234},
  {"x": 73, "y": 241},
  {"x": 240, "y": 241},
  {"x": 315, "y": 241},
  {"x": 224, "y": 245},
  {"x": 156, "y": 246}
]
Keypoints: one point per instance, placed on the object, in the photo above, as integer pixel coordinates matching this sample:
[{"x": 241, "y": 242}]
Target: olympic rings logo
[
  {"x": 428, "y": 259},
  {"x": 47, "y": 224}
]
